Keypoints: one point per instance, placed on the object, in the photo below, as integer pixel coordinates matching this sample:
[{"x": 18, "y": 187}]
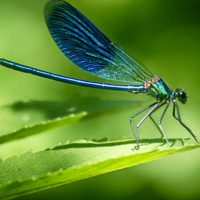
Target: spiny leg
[
  {"x": 161, "y": 120},
  {"x": 135, "y": 115},
  {"x": 154, "y": 107},
  {"x": 159, "y": 125},
  {"x": 153, "y": 120},
  {"x": 176, "y": 109}
]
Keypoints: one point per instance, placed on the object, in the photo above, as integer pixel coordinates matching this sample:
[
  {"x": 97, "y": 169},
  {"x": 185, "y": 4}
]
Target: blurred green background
[{"x": 164, "y": 35}]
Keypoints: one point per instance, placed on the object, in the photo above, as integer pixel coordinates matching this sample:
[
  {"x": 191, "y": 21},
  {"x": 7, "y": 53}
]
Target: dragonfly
[{"x": 87, "y": 47}]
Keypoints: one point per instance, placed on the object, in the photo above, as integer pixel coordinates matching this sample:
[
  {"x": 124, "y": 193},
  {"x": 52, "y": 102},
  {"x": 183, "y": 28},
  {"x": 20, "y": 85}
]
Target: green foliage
[
  {"x": 73, "y": 161},
  {"x": 163, "y": 35},
  {"x": 40, "y": 127}
]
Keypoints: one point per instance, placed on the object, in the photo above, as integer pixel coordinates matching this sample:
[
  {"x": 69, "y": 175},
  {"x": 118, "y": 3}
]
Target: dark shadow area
[
  {"x": 104, "y": 143},
  {"x": 76, "y": 104}
]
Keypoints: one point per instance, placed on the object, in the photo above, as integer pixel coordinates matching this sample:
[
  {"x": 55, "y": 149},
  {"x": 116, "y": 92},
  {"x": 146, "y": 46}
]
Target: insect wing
[{"x": 88, "y": 47}]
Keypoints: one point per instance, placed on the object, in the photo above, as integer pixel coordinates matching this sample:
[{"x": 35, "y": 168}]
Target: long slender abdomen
[{"x": 69, "y": 80}]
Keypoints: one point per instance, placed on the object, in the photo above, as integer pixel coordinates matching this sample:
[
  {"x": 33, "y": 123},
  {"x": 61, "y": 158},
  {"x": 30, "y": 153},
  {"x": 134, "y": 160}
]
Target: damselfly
[{"x": 91, "y": 50}]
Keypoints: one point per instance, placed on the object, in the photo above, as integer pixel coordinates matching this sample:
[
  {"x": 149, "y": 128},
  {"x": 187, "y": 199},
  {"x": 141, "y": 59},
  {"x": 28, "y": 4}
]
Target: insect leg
[
  {"x": 135, "y": 115},
  {"x": 178, "y": 117},
  {"x": 159, "y": 125}
]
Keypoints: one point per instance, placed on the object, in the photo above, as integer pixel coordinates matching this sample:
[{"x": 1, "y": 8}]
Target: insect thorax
[{"x": 156, "y": 87}]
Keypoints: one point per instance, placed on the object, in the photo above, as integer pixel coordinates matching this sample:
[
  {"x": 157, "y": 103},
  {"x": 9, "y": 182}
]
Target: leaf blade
[
  {"x": 32, "y": 172},
  {"x": 40, "y": 127}
]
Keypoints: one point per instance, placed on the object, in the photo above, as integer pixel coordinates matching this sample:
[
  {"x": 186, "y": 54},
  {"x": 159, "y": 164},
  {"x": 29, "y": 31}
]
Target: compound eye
[{"x": 182, "y": 96}]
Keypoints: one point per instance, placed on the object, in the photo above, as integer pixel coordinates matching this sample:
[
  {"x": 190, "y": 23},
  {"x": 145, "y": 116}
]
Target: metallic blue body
[
  {"x": 65, "y": 79},
  {"x": 159, "y": 90}
]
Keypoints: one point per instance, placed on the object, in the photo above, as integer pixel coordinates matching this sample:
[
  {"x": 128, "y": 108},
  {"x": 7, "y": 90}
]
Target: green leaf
[
  {"x": 40, "y": 127},
  {"x": 23, "y": 119},
  {"x": 31, "y": 172}
]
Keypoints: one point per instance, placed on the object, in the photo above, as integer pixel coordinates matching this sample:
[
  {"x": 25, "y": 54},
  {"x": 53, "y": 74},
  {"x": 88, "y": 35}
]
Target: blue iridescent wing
[{"x": 88, "y": 47}]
